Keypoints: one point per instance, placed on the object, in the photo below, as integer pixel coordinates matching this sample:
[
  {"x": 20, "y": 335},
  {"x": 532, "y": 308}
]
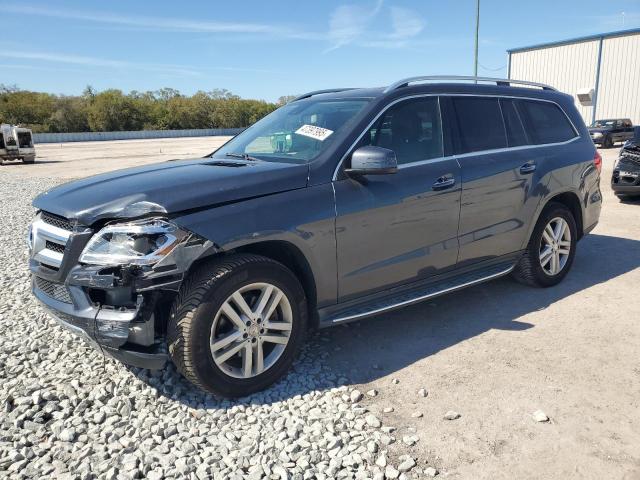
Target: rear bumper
[{"x": 104, "y": 329}]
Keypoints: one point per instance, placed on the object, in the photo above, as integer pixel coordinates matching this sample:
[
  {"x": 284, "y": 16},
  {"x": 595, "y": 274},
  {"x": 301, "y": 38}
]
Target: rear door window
[
  {"x": 545, "y": 122},
  {"x": 480, "y": 124},
  {"x": 516, "y": 135}
]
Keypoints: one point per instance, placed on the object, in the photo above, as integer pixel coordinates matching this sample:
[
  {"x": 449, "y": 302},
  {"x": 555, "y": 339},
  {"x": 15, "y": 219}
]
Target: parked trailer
[{"x": 16, "y": 143}]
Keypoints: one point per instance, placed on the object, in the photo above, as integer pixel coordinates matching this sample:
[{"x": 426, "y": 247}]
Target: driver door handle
[
  {"x": 528, "y": 167},
  {"x": 444, "y": 182}
]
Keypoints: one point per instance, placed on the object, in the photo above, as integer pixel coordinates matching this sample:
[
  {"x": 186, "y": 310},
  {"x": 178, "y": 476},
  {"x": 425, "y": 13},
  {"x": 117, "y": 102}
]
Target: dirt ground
[
  {"x": 495, "y": 353},
  {"x": 81, "y": 159}
]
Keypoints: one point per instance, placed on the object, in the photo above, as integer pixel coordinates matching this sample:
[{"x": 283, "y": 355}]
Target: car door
[
  {"x": 498, "y": 147},
  {"x": 398, "y": 228},
  {"x": 617, "y": 132},
  {"x": 496, "y": 180}
]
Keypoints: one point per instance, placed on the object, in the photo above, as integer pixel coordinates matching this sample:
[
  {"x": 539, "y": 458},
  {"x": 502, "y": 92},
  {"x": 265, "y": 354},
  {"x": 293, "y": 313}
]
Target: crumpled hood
[{"x": 169, "y": 187}]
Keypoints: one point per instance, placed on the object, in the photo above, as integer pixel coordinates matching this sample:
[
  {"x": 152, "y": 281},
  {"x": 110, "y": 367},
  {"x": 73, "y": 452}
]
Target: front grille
[
  {"x": 56, "y": 247},
  {"x": 56, "y": 221},
  {"x": 57, "y": 291},
  {"x": 630, "y": 157}
]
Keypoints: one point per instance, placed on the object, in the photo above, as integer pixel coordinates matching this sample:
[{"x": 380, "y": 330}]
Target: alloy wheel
[
  {"x": 251, "y": 330},
  {"x": 555, "y": 246}
]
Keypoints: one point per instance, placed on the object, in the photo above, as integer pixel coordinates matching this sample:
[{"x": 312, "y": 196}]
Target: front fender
[{"x": 304, "y": 218}]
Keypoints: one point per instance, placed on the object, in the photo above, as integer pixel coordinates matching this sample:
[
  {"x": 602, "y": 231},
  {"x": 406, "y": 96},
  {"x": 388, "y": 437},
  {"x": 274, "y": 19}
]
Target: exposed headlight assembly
[{"x": 142, "y": 242}]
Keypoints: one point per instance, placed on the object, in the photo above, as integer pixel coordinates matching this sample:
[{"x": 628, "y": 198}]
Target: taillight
[{"x": 597, "y": 162}]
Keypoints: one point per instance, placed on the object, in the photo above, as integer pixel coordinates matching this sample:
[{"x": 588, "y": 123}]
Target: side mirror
[{"x": 372, "y": 161}]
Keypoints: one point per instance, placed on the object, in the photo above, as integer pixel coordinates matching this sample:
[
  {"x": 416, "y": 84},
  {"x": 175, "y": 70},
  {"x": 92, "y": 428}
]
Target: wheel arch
[
  {"x": 290, "y": 256},
  {"x": 570, "y": 200}
]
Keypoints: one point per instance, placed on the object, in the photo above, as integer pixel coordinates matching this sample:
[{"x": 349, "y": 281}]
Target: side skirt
[{"x": 411, "y": 294}]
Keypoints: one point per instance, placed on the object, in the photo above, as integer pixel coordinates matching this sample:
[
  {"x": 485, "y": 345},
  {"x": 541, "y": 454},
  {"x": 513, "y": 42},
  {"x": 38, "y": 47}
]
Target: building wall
[
  {"x": 556, "y": 66},
  {"x": 573, "y": 66},
  {"x": 619, "y": 93}
]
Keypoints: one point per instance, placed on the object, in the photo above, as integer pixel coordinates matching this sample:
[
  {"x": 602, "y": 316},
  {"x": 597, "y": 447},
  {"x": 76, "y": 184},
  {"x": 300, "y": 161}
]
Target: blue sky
[{"x": 260, "y": 49}]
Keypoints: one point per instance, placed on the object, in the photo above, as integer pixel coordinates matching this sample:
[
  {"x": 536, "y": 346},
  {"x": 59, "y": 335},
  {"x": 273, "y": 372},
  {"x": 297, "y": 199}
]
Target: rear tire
[
  {"x": 546, "y": 250},
  {"x": 206, "y": 323}
]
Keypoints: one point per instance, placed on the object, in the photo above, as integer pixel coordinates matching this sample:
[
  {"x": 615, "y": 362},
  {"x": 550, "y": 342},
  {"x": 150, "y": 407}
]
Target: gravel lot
[{"x": 458, "y": 387}]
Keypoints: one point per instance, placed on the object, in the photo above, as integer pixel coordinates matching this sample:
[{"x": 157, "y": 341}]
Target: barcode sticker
[{"x": 317, "y": 133}]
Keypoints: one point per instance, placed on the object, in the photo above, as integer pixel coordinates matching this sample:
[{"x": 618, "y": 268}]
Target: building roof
[{"x": 598, "y": 36}]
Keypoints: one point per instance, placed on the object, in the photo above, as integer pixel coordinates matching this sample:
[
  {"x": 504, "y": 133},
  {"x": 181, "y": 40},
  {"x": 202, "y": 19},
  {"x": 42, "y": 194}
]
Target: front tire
[
  {"x": 607, "y": 142},
  {"x": 551, "y": 249},
  {"x": 236, "y": 324}
]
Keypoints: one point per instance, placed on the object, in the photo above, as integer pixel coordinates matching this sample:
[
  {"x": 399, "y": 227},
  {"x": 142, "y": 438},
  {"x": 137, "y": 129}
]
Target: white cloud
[
  {"x": 95, "y": 62},
  {"x": 405, "y": 22},
  {"x": 158, "y": 23},
  {"x": 349, "y": 22},
  {"x": 353, "y": 24}
]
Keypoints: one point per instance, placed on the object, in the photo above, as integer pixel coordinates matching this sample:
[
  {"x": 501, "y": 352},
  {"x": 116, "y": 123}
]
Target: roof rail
[
  {"x": 505, "y": 82},
  {"x": 318, "y": 92}
]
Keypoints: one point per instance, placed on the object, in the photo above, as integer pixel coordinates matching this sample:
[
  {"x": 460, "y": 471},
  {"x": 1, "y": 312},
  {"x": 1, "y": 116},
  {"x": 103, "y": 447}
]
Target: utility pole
[{"x": 475, "y": 56}]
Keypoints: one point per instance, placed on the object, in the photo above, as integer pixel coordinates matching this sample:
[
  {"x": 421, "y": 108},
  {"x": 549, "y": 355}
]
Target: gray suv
[{"x": 340, "y": 205}]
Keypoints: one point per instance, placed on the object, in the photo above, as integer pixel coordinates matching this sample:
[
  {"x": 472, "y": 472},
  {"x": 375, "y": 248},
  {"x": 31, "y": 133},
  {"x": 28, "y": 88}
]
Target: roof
[
  {"x": 619, "y": 33},
  {"x": 440, "y": 88},
  {"x": 344, "y": 93}
]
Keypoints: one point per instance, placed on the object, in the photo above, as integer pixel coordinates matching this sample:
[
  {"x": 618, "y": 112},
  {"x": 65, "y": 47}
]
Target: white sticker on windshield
[{"x": 317, "y": 133}]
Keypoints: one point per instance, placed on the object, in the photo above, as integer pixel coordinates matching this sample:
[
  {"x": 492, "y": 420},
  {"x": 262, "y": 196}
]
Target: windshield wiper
[{"x": 244, "y": 156}]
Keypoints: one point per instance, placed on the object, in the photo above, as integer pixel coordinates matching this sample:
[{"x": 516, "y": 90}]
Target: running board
[{"x": 420, "y": 294}]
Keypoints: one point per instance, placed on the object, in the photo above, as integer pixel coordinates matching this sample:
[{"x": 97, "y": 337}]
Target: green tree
[{"x": 111, "y": 110}]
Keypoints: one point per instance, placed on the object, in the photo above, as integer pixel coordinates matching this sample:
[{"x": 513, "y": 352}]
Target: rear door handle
[
  {"x": 444, "y": 182},
  {"x": 528, "y": 167}
]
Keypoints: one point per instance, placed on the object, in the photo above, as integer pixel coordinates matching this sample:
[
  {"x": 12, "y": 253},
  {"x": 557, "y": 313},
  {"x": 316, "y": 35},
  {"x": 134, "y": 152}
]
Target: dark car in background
[
  {"x": 610, "y": 131},
  {"x": 341, "y": 205},
  {"x": 625, "y": 181}
]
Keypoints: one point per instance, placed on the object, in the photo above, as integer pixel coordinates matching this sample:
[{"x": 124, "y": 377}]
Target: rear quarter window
[{"x": 545, "y": 122}]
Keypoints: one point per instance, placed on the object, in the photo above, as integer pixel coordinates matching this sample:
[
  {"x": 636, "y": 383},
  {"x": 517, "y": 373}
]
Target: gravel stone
[
  {"x": 451, "y": 415},
  {"x": 387, "y": 409},
  {"x": 423, "y": 392},
  {"x": 395, "y": 381},
  {"x": 417, "y": 415},
  {"x": 391, "y": 473},
  {"x": 67, "y": 435},
  {"x": 373, "y": 392},
  {"x": 430, "y": 472},
  {"x": 540, "y": 416},
  {"x": 373, "y": 421},
  {"x": 355, "y": 396},
  {"x": 407, "y": 463},
  {"x": 410, "y": 440}
]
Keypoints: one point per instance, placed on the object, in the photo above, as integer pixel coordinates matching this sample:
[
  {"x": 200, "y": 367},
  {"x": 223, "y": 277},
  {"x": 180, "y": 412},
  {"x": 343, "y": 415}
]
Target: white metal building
[{"x": 602, "y": 70}]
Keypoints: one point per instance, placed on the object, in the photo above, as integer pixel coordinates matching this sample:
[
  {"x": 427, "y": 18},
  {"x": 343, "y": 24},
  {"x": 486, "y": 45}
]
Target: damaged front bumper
[
  {"x": 113, "y": 331},
  {"x": 122, "y": 309},
  {"x": 626, "y": 174}
]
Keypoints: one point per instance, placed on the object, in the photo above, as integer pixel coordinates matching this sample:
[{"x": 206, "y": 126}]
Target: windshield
[
  {"x": 603, "y": 123},
  {"x": 295, "y": 133}
]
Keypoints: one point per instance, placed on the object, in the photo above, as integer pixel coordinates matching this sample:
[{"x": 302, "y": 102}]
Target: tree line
[{"x": 113, "y": 110}]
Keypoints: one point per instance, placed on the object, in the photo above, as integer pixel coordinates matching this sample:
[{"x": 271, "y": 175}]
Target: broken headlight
[{"x": 142, "y": 242}]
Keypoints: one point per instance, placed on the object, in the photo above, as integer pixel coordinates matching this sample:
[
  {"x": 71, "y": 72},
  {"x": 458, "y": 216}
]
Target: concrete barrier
[{"x": 137, "y": 135}]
